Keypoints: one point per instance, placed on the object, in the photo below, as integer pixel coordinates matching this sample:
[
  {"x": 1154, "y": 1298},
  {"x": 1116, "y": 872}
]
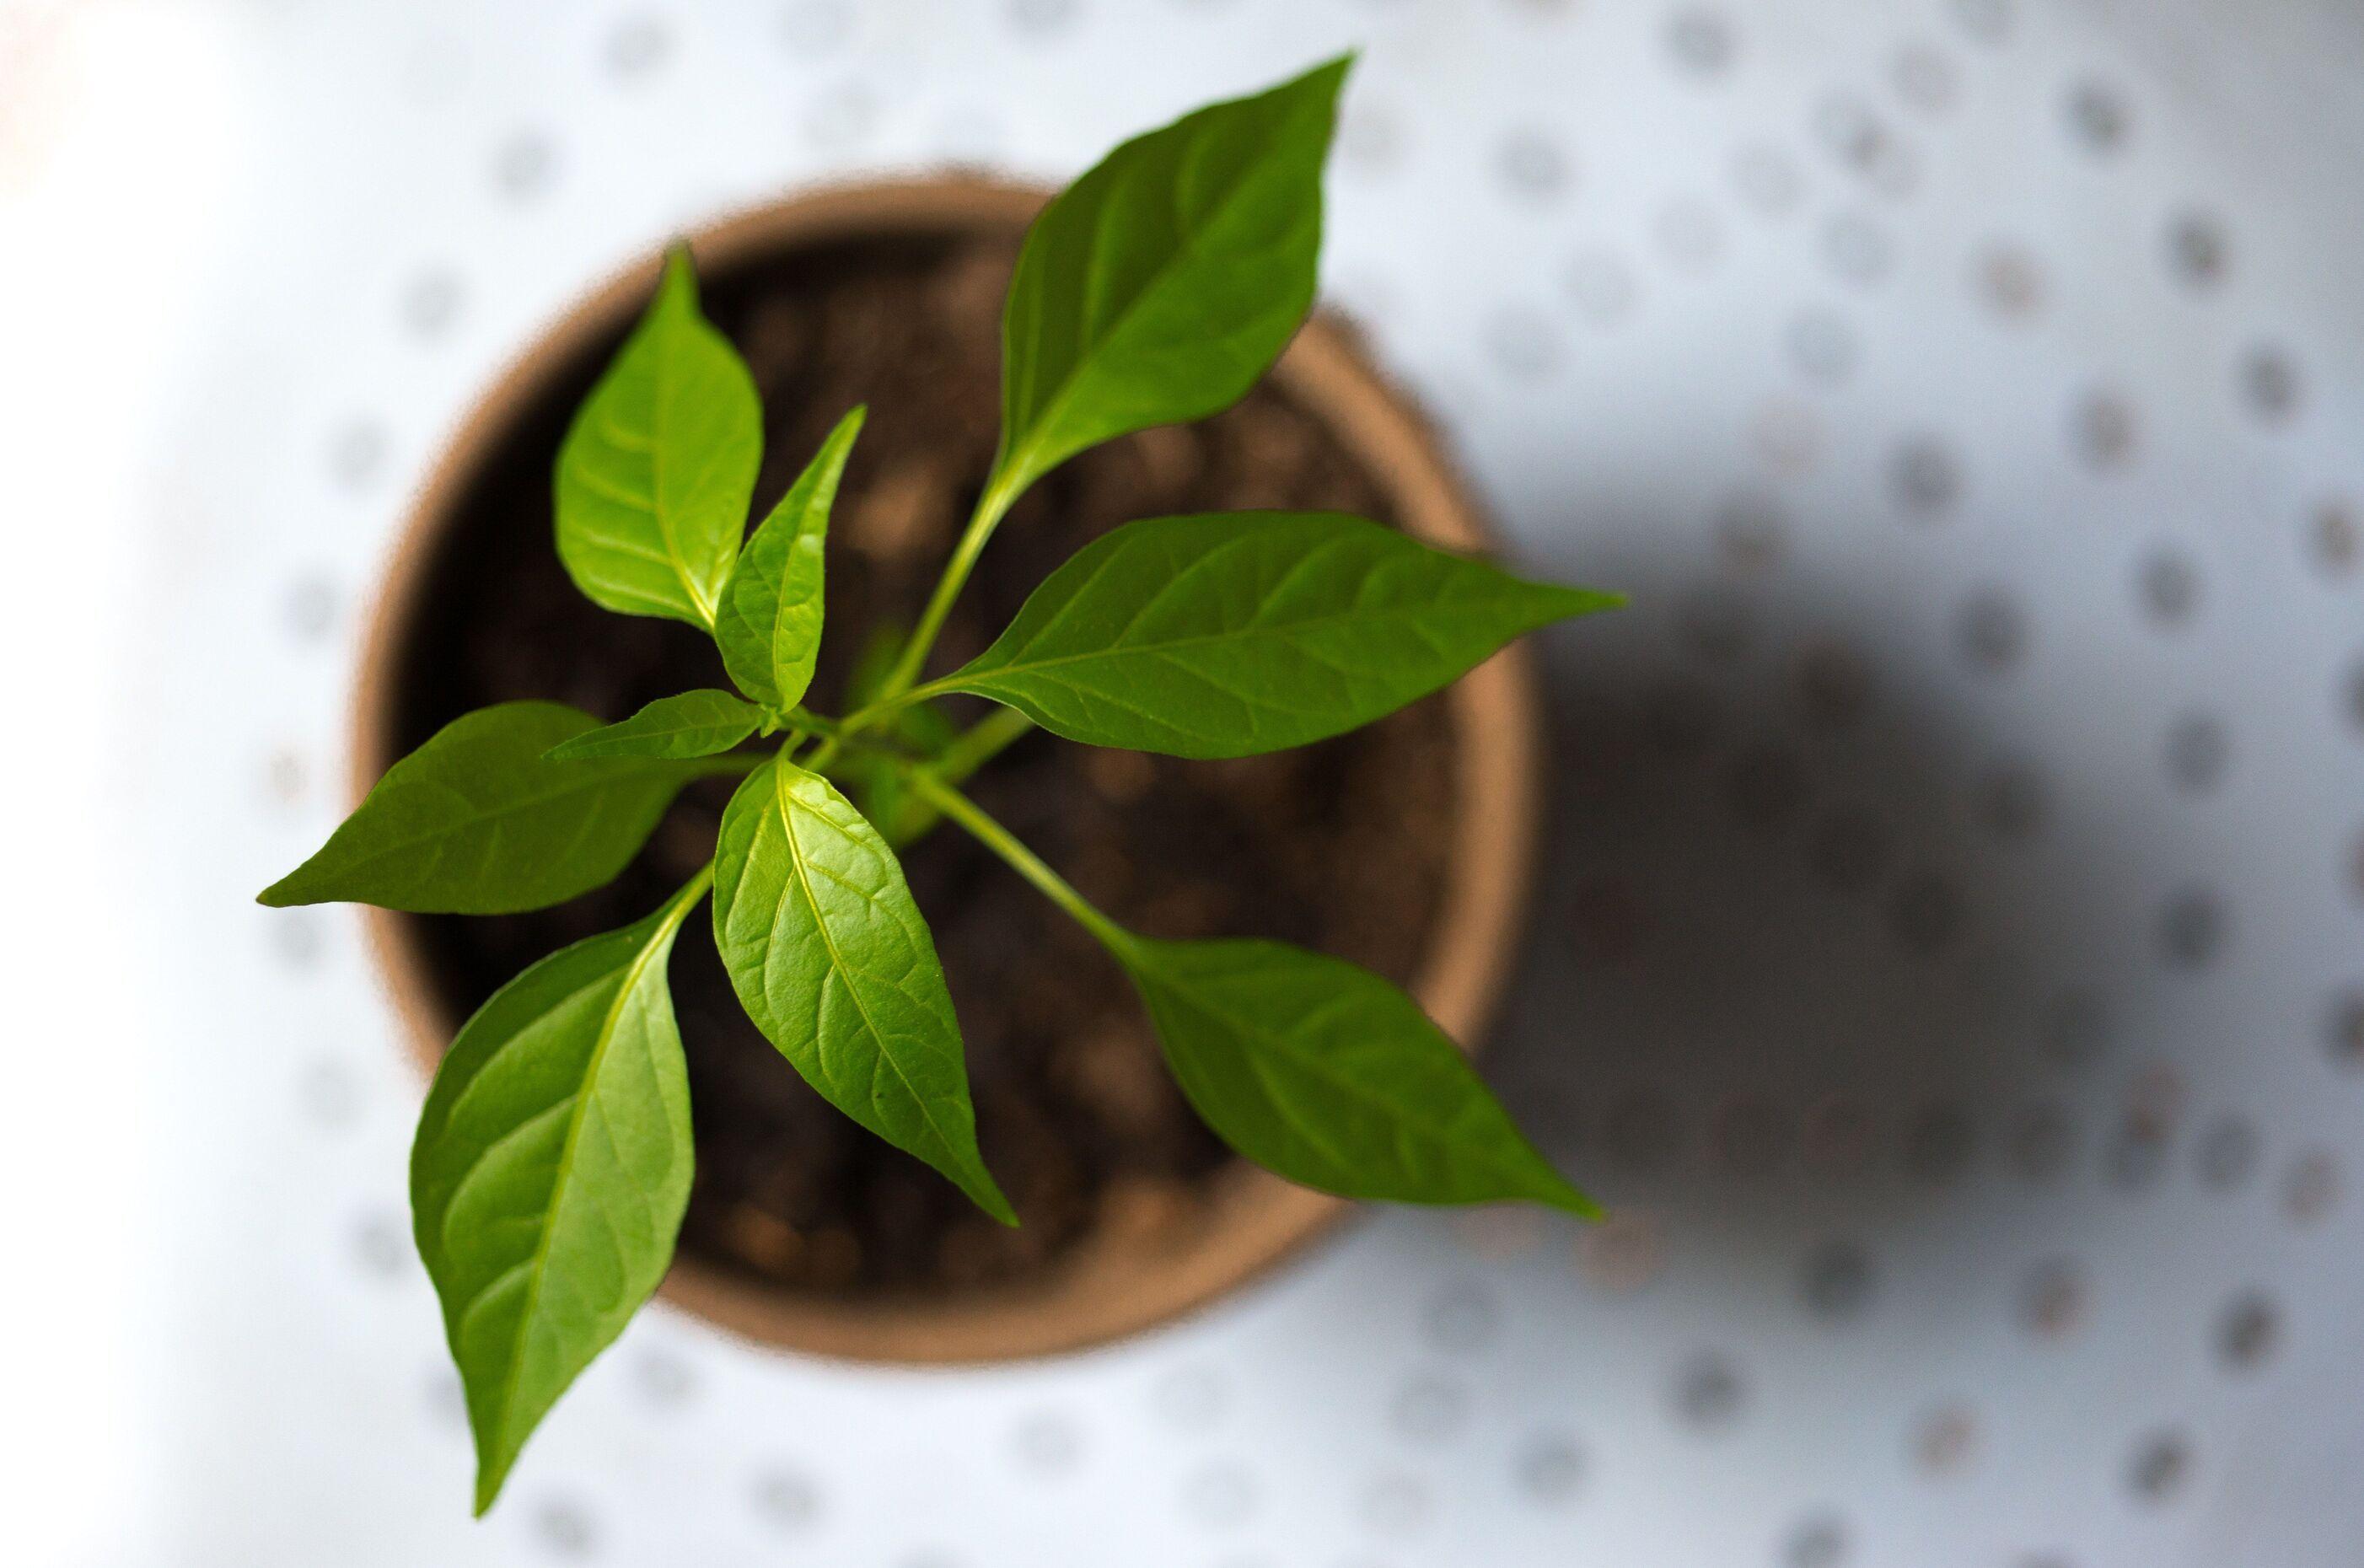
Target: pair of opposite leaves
[{"x": 553, "y": 1156}]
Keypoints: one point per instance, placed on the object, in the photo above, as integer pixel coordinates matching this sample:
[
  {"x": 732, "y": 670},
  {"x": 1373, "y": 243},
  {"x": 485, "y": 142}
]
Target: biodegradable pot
[{"x": 1108, "y": 1285}]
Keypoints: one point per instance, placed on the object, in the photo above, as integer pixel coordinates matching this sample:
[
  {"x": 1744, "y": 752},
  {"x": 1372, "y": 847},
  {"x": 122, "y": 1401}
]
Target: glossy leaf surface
[
  {"x": 834, "y": 963},
  {"x": 481, "y": 821},
  {"x": 688, "y": 724},
  {"x": 1165, "y": 281},
  {"x": 549, "y": 1174},
  {"x": 770, "y": 624},
  {"x": 1329, "y": 1075},
  {"x": 1224, "y": 634},
  {"x": 658, "y": 469}
]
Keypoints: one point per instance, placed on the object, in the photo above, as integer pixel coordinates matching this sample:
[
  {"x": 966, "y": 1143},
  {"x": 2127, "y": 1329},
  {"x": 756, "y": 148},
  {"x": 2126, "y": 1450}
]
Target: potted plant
[{"x": 555, "y": 1159}]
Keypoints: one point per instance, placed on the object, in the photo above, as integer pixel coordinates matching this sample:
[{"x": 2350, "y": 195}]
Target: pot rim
[{"x": 1110, "y": 1288}]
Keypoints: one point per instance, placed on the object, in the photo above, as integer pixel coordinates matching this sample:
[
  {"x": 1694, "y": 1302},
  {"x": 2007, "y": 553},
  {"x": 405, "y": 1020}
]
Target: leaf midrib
[
  {"x": 659, "y": 402},
  {"x": 783, "y": 607},
  {"x": 402, "y": 846},
  {"x": 962, "y": 679},
  {"x": 1346, "y": 1087},
  {"x": 667, "y": 923},
  {"x": 621, "y": 734},
  {"x": 666, "y": 732},
  {"x": 1022, "y": 457},
  {"x": 846, "y": 972}
]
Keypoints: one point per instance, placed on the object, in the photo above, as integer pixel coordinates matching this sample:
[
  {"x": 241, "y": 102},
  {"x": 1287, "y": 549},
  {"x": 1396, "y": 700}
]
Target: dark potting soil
[{"x": 1337, "y": 846}]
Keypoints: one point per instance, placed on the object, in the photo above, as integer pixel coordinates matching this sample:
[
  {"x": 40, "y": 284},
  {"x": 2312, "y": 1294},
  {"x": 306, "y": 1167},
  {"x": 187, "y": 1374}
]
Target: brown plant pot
[{"x": 1105, "y": 1288}]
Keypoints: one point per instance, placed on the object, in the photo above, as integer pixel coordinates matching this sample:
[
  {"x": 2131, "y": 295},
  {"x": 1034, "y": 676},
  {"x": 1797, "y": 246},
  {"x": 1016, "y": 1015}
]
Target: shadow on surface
[{"x": 1802, "y": 930}]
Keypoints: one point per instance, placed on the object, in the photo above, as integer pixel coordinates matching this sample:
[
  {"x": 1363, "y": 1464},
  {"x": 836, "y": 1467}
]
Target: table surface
[{"x": 1947, "y": 962}]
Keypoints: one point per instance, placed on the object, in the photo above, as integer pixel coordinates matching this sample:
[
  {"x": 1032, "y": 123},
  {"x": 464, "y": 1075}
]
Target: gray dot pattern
[{"x": 1944, "y": 958}]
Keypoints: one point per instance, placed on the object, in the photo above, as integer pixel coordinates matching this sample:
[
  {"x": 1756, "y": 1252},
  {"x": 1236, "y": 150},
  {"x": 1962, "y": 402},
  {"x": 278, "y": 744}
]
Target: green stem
[
  {"x": 971, "y": 750},
  {"x": 978, "y": 744},
  {"x": 812, "y": 723},
  {"x": 877, "y": 708},
  {"x": 998, "y": 497},
  {"x": 834, "y": 734},
  {"x": 820, "y": 759},
  {"x": 676, "y": 908},
  {"x": 1023, "y": 860}
]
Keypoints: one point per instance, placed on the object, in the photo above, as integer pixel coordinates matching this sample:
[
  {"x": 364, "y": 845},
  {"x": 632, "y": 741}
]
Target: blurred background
[{"x": 1948, "y": 964}]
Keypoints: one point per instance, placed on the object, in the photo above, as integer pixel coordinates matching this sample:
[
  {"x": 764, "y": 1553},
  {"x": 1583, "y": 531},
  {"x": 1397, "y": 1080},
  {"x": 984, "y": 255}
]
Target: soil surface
[{"x": 1335, "y": 846}]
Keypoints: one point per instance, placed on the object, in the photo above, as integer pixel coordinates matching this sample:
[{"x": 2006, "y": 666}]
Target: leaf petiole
[
  {"x": 676, "y": 908},
  {"x": 835, "y": 736},
  {"x": 1121, "y": 943},
  {"x": 991, "y": 508},
  {"x": 733, "y": 764},
  {"x": 812, "y": 723},
  {"x": 970, "y": 750}
]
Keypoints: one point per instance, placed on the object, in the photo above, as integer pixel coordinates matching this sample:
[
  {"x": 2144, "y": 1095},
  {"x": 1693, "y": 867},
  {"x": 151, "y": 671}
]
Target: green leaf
[
  {"x": 480, "y": 821},
  {"x": 833, "y": 961},
  {"x": 687, "y": 724},
  {"x": 769, "y": 629},
  {"x": 1163, "y": 283},
  {"x": 549, "y": 1174},
  {"x": 1330, "y": 1076},
  {"x": 1225, "y": 634},
  {"x": 1311, "y": 1067},
  {"x": 659, "y": 467}
]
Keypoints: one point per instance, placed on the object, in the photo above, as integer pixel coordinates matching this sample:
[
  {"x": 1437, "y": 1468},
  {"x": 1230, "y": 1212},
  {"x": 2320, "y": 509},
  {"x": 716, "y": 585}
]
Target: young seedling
[{"x": 554, "y": 1155}]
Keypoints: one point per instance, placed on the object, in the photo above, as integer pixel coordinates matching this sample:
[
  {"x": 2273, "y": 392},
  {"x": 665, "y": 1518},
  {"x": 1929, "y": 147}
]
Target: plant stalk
[
  {"x": 676, "y": 908},
  {"x": 978, "y": 744},
  {"x": 991, "y": 508},
  {"x": 971, "y": 750},
  {"x": 1023, "y": 860},
  {"x": 811, "y": 723}
]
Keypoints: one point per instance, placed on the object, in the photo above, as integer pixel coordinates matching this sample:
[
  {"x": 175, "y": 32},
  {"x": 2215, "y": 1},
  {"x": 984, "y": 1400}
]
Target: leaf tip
[
  {"x": 987, "y": 1195},
  {"x": 283, "y": 893},
  {"x": 1567, "y": 601},
  {"x": 1327, "y": 80},
  {"x": 1545, "y": 1185},
  {"x": 836, "y": 450},
  {"x": 679, "y": 281},
  {"x": 492, "y": 1461},
  {"x": 1569, "y": 1199}
]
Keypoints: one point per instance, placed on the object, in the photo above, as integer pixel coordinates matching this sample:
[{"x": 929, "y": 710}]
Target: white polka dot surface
[{"x": 1948, "y": 962}]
